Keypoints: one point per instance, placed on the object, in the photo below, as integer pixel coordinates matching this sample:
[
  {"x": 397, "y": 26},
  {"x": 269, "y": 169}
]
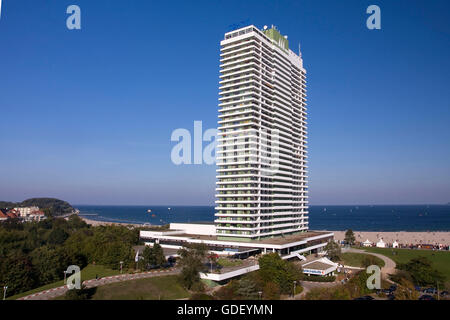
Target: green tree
[
  {"x": 422, "y": 272},
  {"x": 76, "y": 223},
  {"x": 153, "y": 255},
  {"x": 349, "y": 237},
  {"x": 247, "y": 289},
  {"x": 333, "y": 250},
  {"x": 271, "y": 291},
  {"x": 370, "y": 260},
  {"x": 192, "y": 263},
  {"x": 281, "y": 272},
  {"x": 115, "y": 252},
  {"x": 17, "y": 272},
  {"x": 406, "y": 291},
  {"x": 158, "y": 253},
  {"x": 50, "y": 263},
  {"x": 148, "y": 257},
  {"x": 227, "y": 292},
  {"x": 57, "y": 236},
  {"x": 357, "y": 285}
]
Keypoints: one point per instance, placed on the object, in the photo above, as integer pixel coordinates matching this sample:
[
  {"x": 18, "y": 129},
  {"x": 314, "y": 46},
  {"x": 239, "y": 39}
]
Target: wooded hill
[{"x": 50, "y": 206}]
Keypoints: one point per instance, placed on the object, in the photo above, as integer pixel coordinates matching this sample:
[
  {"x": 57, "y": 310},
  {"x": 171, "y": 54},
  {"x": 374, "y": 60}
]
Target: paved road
[
  {"x": 389, "y": 268},
  {"x": 389, "y": 264},
  {"x": 59, "y": 291}
]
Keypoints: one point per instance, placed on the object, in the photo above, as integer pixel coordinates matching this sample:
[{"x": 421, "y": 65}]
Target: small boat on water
[
  {"x": 149, "y": 210},
  {"x": 168, "y": 208},
  {"x": 153, "y": 215}
]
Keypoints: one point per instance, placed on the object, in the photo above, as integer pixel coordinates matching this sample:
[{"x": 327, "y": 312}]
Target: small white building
[
  {"x": 320, "y": 267},
  {"x": 395, "y": 244},
  {"x": 381, "y": 244},
  {"x": 367, "y": 243},
  {"x": 26, "y": 211}
]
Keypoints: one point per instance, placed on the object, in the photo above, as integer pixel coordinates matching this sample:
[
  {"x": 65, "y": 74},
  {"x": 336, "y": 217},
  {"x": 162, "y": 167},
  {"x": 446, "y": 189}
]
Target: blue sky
[{"x": 86, "y": 115}]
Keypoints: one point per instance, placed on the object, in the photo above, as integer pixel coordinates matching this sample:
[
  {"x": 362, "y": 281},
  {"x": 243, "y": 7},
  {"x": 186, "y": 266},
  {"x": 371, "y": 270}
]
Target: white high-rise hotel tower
[
  {"x": 261, "y": 159},
  {"x": 261, "y": 156}
]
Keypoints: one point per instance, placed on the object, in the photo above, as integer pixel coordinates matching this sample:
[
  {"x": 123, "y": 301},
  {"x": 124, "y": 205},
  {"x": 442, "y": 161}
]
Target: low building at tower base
[{"x": 292, "y": 246}]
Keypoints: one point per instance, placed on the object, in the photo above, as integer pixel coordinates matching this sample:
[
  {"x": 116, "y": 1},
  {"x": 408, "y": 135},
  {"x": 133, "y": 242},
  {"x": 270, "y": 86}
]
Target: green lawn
[
  {"x": 226, "y": 262},
  {"x": 440, "y": 260},
  {"x": 89, "y": 272},
  {"x": 156, "y": 288},
  {"x": 357, "y": 259}
]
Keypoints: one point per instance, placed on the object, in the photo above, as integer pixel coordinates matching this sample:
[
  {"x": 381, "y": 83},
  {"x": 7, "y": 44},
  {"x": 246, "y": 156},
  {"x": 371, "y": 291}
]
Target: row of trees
[
  {"x": 274, "y": 277},
  {"x": 36, "y": 253}
]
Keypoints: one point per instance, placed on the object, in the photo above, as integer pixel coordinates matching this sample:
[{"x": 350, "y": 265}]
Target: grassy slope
[
  {"x": 156, "y": 288},
  {"x": 356, "y": 259},
  {"x": 89, "y": 272},
  {"x": 440, "y": 259}
]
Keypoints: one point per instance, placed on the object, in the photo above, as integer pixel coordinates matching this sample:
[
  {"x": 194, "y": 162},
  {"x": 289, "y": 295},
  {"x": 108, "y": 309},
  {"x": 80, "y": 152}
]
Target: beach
[
  {"x": 96, "y": 223},
  {"x": 402, "y": 237}
]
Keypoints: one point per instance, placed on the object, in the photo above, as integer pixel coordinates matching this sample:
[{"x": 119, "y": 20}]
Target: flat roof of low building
[
  {"x": 279, "y": 240},
  {"x": 317, "y": 265}
]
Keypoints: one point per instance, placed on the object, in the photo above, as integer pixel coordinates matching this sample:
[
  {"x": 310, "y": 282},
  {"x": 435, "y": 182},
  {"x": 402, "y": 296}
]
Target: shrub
[
  {"x": 271, "y": 291},
  {"x": 201, "y": 296},
  {"x": 298, "y": 289},
  {"x": 319, "y": 278}
]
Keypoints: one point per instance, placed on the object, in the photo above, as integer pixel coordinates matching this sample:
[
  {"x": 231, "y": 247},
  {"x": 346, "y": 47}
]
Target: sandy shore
[
  {"x": 104, "y": 223},
  {"x": 402, "y": 237}
]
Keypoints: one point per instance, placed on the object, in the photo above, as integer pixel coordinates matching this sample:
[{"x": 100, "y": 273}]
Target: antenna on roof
[{"x": 299, "y": 51}]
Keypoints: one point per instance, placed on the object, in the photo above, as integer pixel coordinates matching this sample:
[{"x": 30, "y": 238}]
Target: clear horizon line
[{"x": 311, "y": 205}]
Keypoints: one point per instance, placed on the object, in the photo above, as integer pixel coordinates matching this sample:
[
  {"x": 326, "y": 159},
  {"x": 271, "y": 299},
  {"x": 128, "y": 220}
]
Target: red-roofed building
[
  {"x": 13, "y": 214},
  {"x": 36, "y": 215},
  {"x": 3, "y": 215}
]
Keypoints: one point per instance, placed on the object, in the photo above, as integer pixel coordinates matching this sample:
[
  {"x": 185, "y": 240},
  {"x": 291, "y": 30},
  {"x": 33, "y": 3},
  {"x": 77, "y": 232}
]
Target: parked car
[
  {"x": 393, "y": 288},
  {"x": 444, "y": 293},
  {"x": 426, "y": 297},
  {"x": 152, "y": 266},
  {"x": 430, "y": 291},
  {"x": 364, "y": 298},
  {"x": 171, "y": 260}
]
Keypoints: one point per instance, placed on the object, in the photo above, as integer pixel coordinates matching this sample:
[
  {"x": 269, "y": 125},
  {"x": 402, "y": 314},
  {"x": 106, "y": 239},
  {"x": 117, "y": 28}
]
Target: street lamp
[
  {"x": 65, "y": 272},
  {"x": 4, "y": 292},
  {"x": 260, "y": 294},
  {"x": 121, "y": 265}
]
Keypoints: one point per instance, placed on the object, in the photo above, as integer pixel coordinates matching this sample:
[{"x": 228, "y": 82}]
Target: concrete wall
[{"x": 192, "y": 228}]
